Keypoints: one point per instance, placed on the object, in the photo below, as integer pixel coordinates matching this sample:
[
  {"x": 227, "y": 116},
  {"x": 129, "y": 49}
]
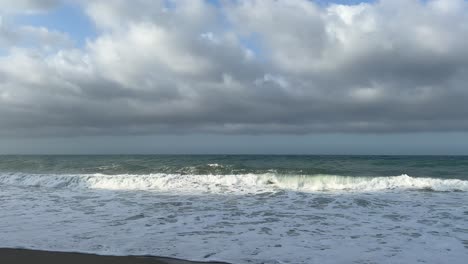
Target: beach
[{"x": 25, "y": 256}]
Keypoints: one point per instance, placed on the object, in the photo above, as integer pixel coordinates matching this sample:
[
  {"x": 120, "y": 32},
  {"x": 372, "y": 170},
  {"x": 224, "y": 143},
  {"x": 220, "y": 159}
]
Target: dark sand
[{"x": 24, "y": 256}]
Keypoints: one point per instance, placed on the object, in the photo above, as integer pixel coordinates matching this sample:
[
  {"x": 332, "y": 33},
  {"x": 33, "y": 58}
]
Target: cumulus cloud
[{"x": 250, "y": 66}]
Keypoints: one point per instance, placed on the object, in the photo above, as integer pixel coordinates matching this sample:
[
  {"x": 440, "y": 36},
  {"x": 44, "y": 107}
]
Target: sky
[{"x": 234, "y": 76}]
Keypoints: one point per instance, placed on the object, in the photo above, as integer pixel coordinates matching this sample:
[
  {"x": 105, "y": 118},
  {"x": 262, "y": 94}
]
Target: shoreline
[{"x": 26, "y": 256}]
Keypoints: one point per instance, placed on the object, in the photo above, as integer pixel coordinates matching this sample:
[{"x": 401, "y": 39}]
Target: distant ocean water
[{"x": 241, "y": 209}]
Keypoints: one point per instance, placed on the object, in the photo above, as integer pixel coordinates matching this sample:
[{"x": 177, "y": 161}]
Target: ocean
[{"x": 240, "y": 208}]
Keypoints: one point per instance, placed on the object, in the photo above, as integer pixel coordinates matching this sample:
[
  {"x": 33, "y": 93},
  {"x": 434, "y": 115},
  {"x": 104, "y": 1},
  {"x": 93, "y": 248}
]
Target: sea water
[{"x": 240, "y": 209}]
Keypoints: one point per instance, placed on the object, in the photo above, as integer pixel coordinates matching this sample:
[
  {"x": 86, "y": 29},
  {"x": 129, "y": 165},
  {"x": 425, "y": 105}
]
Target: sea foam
[
  {"x": 244, "y": 219},
  {"x": 245, "y": 183}
]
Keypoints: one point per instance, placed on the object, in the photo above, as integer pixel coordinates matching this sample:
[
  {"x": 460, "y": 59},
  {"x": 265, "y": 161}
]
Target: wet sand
[{"x": 24, "y": 256}]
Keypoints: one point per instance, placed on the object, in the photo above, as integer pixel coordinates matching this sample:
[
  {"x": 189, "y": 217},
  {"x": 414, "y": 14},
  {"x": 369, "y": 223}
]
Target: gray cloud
[
  {"x": 27, "y": 6},
  {"x": 249, "y": 67}
]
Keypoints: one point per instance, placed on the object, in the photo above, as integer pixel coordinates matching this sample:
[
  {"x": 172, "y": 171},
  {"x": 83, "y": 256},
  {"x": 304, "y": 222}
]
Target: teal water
[{"x": 444, "y": 167}]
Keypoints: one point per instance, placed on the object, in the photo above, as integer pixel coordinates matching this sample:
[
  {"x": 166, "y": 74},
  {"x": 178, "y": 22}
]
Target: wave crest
[
  {"x": 246, "y": 183},
  {"x": 333, "y": 182}
]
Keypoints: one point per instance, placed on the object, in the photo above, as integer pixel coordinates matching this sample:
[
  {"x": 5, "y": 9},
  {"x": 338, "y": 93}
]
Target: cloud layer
[{"x": 249, "y": 66}]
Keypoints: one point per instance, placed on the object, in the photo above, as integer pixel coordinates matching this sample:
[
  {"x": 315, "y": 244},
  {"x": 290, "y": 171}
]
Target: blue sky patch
[{"x": 68, "y": 18}]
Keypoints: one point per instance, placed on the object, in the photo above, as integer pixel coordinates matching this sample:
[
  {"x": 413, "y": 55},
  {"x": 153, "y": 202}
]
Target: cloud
[
  {"x": 33, "y": 37},
  {"x": 245, "y": 67},
  {"x": 12, "y": 35},
  {"x": 27, "y": 6}
]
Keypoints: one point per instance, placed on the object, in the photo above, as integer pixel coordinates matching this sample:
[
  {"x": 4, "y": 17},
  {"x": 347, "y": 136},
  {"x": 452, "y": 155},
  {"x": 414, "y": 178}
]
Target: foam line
[{"x": 246, "y": 183}]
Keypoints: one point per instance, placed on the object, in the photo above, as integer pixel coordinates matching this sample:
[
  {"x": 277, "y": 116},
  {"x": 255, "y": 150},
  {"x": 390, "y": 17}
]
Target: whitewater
[
  {"x": 254, "y": 215},
  {"x": 233, "y": 184}
]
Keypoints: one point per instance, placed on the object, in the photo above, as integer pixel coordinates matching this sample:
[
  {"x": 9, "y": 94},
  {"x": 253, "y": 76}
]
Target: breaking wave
[{"x": 247, "y": 183}]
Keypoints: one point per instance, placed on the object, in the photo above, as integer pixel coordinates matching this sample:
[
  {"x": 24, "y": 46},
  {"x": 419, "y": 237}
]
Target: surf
[{"x": 243, "y": 183}]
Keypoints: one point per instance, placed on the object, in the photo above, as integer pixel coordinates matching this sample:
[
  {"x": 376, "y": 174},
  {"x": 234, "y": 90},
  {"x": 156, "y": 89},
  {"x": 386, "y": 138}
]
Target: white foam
[
  {"x": 245, "y": 183},
  {"x": 351, "y": 225},
  {"x": 331, "y": 183}
]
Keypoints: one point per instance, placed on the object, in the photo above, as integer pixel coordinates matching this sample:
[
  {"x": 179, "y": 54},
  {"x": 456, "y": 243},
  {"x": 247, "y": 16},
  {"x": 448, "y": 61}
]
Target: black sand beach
[{"x": 25, "y": 256}]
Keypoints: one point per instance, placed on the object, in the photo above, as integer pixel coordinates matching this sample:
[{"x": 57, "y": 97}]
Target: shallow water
[{"x": 242, "y": 209}]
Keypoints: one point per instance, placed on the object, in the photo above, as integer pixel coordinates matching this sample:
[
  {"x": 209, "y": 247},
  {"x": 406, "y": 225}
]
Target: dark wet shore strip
[{"x": 25, "y": 256}]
